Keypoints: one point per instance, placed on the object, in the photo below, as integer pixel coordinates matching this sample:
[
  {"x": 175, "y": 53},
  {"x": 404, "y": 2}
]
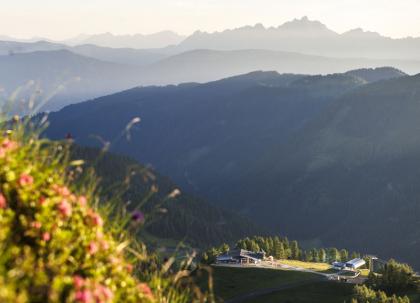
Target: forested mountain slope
[
  {"x": 350, "y": 177},
  {"x": 329, "y": 159},
  {"x": 204, "y": 135},
  {"x": 183, "y": 218}
]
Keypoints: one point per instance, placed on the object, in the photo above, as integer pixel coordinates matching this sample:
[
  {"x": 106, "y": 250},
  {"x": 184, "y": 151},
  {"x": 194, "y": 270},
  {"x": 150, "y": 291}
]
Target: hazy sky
[{"x": 65, "y": 18}]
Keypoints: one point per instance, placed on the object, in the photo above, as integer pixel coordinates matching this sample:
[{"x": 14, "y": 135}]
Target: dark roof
[{"x": 242, "y": 253}]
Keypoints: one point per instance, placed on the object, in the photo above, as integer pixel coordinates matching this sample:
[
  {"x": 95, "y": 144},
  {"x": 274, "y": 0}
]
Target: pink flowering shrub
[{"x": 54, "y": 246}]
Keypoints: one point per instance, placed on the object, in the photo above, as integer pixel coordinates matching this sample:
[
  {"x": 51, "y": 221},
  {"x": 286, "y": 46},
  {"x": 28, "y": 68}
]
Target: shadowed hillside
[
  {"x": 184, "y": 218},
  {"x": 319, "y": 158},
  {"x": 350, "y": 177}
]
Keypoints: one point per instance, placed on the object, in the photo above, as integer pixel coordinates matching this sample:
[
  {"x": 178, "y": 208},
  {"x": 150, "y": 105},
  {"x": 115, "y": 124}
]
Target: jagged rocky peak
[{"x": 303, "y": 23}]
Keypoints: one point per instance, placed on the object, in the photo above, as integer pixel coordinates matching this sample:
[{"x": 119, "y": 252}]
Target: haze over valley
[{"x": 301, "y": 46}]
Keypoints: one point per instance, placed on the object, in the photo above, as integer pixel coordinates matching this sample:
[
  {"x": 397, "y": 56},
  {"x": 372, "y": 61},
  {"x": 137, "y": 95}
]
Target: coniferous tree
[
  {"x": 322, "y": 255},
  {"x": 286, "y": 243},
  {"x": 344, "y": 255},
  {"x": 395, "y": 277},
  {"x": 224, "y": 248},
  {"x": 333, "y": 254},
  {"x": 278, "y": 249},
  {"x": 254, "y": 246},
  {"x": 306, "y": 256},
  {"x": 271, "y": 246},
  {"x": 315, "y": 255},
  {"x": 295, "y": 251}
]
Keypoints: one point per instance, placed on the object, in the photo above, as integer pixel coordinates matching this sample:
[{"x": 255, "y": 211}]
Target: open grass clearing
[
  {"x": 318, "y": 292},
  {"x": 230, "y": 282}
]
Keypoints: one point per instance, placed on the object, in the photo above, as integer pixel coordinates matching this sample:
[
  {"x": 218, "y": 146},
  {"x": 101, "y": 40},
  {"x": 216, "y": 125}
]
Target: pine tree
[
  {"x": 333, "y": 254},
  {"x": 224, "y": 248},
  {"x": 344, "y": 255},
  {"x": 295, "y": 251},
  {"x": 271, "y": 246},
  {"x": 286, "y": 243},
  {"x": 254, "y": 246},
  {"x": 315, "y": 255},
  {"x": 322, "y": 255},
  {"x": 278, "y": 249}
]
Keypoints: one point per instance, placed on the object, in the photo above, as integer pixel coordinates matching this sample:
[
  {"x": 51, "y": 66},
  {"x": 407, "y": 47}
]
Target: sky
[{"x": 62, "y": 19}]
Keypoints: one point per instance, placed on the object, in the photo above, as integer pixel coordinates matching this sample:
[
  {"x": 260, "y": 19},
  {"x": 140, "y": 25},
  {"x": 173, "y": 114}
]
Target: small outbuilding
[
  {"x": 240, "y": 256},
  {"x": 339, "y": 265}
]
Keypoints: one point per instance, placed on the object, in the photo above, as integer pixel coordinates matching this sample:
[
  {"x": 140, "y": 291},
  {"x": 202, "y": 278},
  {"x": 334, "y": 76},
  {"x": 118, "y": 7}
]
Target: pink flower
[
  {"x": 114, "y": 260},
  {"x": 65, "y": 208},
  {"x": 96, "y": 219},
  {"x": 84, "y": 296},
  {"x": 46, "y": 236},
  {"x": 78, "y": 282},
  {"x": 129, "y": 267},
  {"x": 99, "y": 234},
  {"x": 104, "y": 245},
  {"x": 103, "y": 294},
  {"x": 93, "y": 248},
  {"x": 42, "y": 200},
  {"x": 3, "y": 202},
  {"x": 8, "y": 144},
  {"x": 36, "y": 224},
  {"x": 25, "y": 179},
  {"x": 82, "y": 201},
  {"x": 145, "y": 289},
  {"x": 63, "y": 191},
  {"x": 108, "y": 294}
]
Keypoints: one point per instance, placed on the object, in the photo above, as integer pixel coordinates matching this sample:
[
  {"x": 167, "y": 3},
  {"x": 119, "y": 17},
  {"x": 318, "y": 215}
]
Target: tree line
[
  {"x": 393, "y": 278},
  {"x": 364, "y": 294},
  {"x": 282, "y": 248}
]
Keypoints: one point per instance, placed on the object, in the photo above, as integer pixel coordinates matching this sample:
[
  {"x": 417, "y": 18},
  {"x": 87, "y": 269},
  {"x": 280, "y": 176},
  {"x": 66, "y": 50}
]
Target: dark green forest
[{"x": 181, "y": 218}]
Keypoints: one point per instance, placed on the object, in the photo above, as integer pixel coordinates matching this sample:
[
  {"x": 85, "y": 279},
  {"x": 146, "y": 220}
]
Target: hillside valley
[{"x": 308, "y": 156}]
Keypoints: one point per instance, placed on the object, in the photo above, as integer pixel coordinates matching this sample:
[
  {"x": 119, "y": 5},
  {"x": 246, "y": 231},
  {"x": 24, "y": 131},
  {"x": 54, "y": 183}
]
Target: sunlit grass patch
[{"x": 306, "y": 265}]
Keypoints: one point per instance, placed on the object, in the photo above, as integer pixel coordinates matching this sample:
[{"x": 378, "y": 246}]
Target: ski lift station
[{"x": 352, "y": 264}]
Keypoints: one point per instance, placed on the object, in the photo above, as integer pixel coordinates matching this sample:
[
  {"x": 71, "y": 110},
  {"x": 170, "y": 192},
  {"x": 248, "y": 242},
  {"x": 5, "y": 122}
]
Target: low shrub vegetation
[
  {"x": 364, "y": 294},
  {"x": 58, "y": 245}
]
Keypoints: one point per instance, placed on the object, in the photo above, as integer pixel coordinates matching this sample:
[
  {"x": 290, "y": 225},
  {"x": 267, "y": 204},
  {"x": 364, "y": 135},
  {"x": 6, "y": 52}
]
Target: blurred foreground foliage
[{"x": 60, "y": 243}]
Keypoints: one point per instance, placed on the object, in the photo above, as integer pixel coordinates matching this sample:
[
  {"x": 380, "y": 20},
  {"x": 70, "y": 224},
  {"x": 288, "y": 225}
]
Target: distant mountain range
[
  {"x": 307, "y": 37},
  {"x": 300, "y": 46},
  {"x": 137, "y": 41},
  {"x": 299, "y": 35},
  {"x": 88, "y": 71},
  {"x": 127, "y": 56},
  {"x": 61, "y": 77},
  {"x": 208, "y": 65},
  {"x": 326, "y": 159}
]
